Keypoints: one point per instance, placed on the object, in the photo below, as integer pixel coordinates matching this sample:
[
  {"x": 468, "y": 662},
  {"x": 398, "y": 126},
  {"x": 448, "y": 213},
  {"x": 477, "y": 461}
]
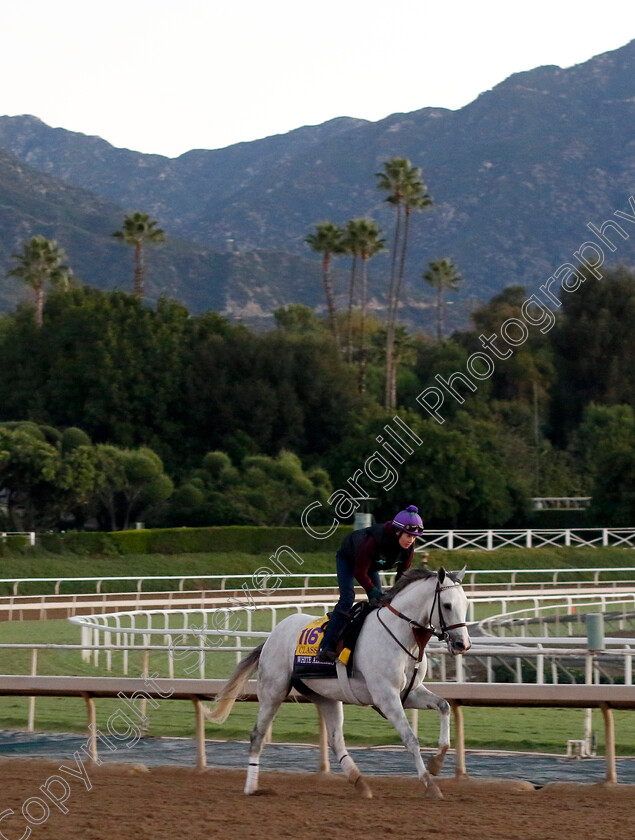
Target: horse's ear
[
  {"x": 441, "y": 574},
  {"x": 458, "y": 576}
]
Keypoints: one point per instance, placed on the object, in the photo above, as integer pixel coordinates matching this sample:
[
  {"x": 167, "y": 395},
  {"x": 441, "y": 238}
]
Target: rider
[{"x": 361, "y": 556}]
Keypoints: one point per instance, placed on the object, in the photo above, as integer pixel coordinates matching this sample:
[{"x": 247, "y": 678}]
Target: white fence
[
  {"x": 490, "y": 539},
  {"x": 117, "y": 632},
  {"x": 474, "y": 579},
  {"x": 563, "y": 619},
  {"x": 140, "y": 620},
  {"x": 29, "y": 534},
  {"x": 458, "y": 695}
]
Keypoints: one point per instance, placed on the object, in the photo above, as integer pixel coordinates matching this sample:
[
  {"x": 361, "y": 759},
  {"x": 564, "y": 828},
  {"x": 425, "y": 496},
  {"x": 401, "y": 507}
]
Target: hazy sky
[{"x": 167, "y": 76}]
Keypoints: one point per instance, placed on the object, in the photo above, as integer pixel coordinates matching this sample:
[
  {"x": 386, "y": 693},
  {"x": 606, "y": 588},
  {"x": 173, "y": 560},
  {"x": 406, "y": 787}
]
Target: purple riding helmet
[{"x": 408, "y": 520}]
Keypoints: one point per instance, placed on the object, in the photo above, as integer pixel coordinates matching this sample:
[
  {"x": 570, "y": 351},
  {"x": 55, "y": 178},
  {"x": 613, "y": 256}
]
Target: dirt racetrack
[{"x": 130, "y": 801}]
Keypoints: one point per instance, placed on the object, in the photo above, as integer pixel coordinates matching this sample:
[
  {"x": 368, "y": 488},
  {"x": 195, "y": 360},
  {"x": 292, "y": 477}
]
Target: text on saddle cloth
[
  {"x": 305, "y": 661},
  {"x": 310, "y": 637}
]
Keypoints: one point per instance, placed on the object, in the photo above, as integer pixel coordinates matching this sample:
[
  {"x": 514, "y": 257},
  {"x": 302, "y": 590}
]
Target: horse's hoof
[
  {"x": 435, "y": 763},
  {"x": 433, "y": 791},
  {"x": 362, "y": 788}
]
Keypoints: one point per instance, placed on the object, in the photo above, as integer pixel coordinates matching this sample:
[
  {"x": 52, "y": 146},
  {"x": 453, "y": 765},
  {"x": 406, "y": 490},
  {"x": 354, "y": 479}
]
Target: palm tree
[
  {"x": 41, "y": 261},
  {"x": 441, "y": 275},
  {"x": 407, "y": 192},
  {"x": 328, "y": 239},
  {"x": 138, "y": 229}
]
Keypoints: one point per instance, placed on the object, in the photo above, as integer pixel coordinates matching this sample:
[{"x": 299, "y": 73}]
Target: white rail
[
  {"x": 465, "y": 694},
  {"x": 29, "y": 534},
  {"x": 140, "y": 620},
  {"x": 120, "y": 630},
  {"x": 561, "y": 617},
  {"x": 492, "y": 539},
  {"x": 511, "y": 577}
]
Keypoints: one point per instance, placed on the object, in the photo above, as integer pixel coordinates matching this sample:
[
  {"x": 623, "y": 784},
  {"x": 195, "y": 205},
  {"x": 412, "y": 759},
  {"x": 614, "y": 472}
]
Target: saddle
[{"x": 305, "y": 664}]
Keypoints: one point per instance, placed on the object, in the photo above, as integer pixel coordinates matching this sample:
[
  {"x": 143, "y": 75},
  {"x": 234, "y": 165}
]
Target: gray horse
[{"x": 386, "y": 668}]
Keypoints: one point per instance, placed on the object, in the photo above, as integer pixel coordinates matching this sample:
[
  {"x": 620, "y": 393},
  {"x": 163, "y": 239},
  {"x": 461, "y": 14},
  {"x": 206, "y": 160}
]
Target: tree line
[{"x": 113, "y": 410}]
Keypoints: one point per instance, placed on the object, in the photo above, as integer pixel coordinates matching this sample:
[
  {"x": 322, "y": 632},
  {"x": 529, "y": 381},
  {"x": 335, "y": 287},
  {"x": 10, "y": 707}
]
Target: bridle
[
  {"x": 421, "y": 633},
  {"x": 419, "y": 629},
  {"x": 442, "y": 636}
]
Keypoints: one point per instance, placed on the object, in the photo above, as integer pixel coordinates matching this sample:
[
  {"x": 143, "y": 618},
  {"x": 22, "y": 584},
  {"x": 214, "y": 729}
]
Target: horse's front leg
[
  {"x": 389, "y": 701},
  {"x": 422, "y": 698}
]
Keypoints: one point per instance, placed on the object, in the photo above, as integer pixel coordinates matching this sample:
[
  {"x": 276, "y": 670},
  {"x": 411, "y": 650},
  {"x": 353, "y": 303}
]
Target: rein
[{"x": 421, "y": 634}]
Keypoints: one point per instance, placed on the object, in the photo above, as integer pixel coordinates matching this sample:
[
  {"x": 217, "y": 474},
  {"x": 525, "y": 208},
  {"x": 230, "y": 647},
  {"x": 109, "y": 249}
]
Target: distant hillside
[
  {"x": 515, "y": 176},
  {"x": 247, "y": 285}
]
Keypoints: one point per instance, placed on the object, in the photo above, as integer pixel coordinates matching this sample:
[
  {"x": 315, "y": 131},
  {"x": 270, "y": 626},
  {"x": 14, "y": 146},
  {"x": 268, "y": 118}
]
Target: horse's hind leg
[
  {"x": 333, "y": 717},
  {"x": 267, "y": 710}
]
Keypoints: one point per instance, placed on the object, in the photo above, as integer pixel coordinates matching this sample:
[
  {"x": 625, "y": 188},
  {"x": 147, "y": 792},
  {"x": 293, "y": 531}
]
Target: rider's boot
[{"x": 334, "y": 629}]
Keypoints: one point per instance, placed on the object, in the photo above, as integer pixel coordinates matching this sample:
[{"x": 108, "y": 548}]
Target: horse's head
[{"x": 449, "y": 611}]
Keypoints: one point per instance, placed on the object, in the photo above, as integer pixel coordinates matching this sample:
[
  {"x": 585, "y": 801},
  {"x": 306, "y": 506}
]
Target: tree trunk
[
  {"x": 349, "y": 325},
  {"x": 391, "y": 370},
  {"x": 330, "y": 303},
  {"x": 390, "y": 330},
  {"x": 443, "y": 314},
  {"x": 39, "y": 305},
  {"x": 390, "y": 343},
  {"x": 139, "y": 272},
  {"x": 393, "y": 382},
  {"x": 362, "y": 330},
  {"x": 402, "y": 263}
]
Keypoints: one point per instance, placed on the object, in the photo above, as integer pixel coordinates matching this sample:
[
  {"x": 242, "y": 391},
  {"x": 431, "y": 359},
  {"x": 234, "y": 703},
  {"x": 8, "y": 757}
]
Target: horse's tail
[{"x": 226, "y": 697}]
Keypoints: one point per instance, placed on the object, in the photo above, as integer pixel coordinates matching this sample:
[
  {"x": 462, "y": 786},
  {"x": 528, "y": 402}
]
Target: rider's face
[{"x": 406, "y": 539}]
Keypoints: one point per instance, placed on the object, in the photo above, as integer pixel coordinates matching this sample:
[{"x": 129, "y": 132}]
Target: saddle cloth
[{"x": 305, "y": 664}]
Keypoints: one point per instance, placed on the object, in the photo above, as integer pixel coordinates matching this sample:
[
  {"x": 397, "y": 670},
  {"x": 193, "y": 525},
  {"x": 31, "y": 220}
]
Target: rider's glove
[{"x": 375, "y": 595}]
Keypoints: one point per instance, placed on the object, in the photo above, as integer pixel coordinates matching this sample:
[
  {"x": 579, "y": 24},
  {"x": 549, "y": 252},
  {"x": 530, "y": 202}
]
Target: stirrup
[{"x": 326, "y": 655}]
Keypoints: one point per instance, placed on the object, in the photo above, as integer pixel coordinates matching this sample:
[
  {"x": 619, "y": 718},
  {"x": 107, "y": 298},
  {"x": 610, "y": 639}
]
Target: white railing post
[
  {"x": 540, "y": 667},
  {"x": 31, "y": 720},
  {"x": 201, "y": 656},
  {"x": 460, "y": 673},
  {"x": 95, "y": 642},
  {"x": 86, "y": 636}
]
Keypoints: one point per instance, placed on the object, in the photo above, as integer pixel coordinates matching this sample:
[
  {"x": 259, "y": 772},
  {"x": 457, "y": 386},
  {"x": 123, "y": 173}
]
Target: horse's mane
[{"x": 410, "y": 577}]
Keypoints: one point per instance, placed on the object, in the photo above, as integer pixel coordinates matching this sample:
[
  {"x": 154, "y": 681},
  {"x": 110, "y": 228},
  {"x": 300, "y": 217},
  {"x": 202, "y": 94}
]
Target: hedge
[
  {"x": 12, "y": 544},
  {"x": 240, "y": 538},
  {"x": 77, "y": 542}
]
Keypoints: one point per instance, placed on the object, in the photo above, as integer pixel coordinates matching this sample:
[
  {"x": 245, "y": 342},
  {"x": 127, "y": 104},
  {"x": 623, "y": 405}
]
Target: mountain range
[{"x": 514, "y": 177}]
